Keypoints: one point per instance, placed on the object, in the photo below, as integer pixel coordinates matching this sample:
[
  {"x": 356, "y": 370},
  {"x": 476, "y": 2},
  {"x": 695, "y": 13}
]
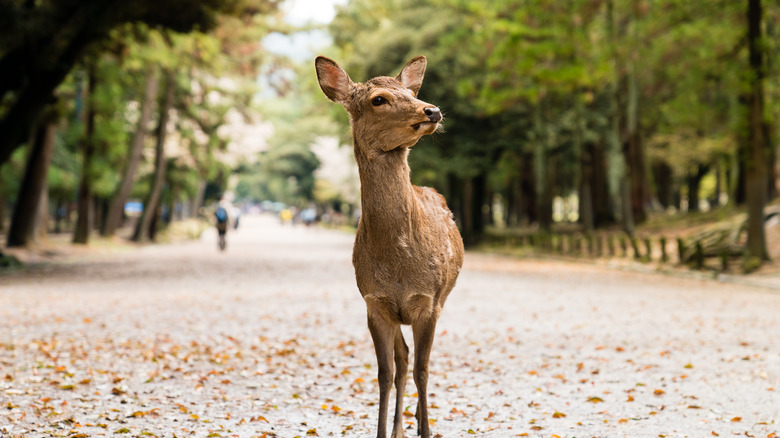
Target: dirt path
[{"x": 269, "y": 338}]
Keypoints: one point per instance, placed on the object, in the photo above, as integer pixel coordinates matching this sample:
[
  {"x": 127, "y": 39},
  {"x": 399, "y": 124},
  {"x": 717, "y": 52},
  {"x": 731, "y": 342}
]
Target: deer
[{"x": 408, "y": 251}]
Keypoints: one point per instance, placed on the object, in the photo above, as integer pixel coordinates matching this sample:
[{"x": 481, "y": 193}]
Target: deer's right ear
[{"x": 334, "y": 81}]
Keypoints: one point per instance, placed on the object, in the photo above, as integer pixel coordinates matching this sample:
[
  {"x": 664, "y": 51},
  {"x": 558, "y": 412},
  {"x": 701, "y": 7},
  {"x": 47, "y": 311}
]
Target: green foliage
[{"x": 550, "y": 78}]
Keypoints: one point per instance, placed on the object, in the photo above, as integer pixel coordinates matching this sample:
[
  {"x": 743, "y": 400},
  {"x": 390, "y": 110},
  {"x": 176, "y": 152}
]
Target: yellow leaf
[
  {"x": 659, "y": 392},
  {"x": 559, "y": 415},
  {"x": 312, "y": 431},
  {"x": 595, "y": 399},
  {"x": 736, "y": 419}
]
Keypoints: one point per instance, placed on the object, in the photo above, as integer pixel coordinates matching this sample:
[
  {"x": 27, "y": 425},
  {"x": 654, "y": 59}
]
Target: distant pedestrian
[
  {"x": 286, "y": 216},
  {"x": 221, "y": 214},
  {"x": 308, "y": 216}
]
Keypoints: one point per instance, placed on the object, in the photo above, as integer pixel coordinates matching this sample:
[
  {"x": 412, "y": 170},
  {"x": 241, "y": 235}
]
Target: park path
[{"x": 269, "y": 339}]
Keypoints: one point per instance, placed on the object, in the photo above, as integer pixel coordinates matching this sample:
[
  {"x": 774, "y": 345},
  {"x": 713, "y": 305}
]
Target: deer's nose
[{"x": 433, "y": 113}]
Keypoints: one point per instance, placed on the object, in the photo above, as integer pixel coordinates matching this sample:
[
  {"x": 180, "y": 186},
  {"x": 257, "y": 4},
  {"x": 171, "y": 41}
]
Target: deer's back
[{"x": 408, "y": 270}]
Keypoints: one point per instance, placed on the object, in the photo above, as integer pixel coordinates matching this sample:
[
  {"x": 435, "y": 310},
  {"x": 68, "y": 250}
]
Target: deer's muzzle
[{"x": 433, "y": 113}]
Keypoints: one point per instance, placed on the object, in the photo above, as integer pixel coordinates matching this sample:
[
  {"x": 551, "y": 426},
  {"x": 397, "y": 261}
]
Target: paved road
[{"x": 269, "y": 339}]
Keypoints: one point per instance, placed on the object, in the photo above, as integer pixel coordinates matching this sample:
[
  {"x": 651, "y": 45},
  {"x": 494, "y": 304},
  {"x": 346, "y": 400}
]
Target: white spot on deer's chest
[{"x": 404, "y": 244}]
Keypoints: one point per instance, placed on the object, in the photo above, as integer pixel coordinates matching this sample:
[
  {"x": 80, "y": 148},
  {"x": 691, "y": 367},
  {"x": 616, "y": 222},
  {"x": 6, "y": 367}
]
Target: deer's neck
[{"x": 386, "y": 193}]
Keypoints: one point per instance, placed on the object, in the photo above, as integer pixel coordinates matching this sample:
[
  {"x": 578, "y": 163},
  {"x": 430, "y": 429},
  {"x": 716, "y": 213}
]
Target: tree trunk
[
  {"x": 586, "y": 191},
  {"x": 143, "y": 227},
  {"x": 635, "y": 157},
  {"x": 116, "y": 210},
  {"x": 619, "y": 178},
  {"x": 481, "y": 200},
  {"x": 528, "y": 198},
  {"x": 2, "y": 210},
  {"x": 43, "y": 217},
  {"x": 585, "y": 161},
  {"x": 694, "y": 183},
  {"x": 28, "y": 202},
  {"x": 662, "y": 174},
  {"x": 84, "y": 223},
  {"x": 602, "y": 205},
  {"x": 468, "y": 211},
  {"x": 756, "y": 145},
  {"x": 547, "y": 193},
  {"x": 197, "y": 200},
  {"x": 628, "y": 217}
]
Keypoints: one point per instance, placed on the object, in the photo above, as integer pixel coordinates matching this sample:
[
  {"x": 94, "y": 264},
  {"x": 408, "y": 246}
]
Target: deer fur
[{"x": 408, "y": 251}]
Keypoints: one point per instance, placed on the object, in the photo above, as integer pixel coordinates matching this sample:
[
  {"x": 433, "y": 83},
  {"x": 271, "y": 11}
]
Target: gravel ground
[{"x": 269, "y": 339}]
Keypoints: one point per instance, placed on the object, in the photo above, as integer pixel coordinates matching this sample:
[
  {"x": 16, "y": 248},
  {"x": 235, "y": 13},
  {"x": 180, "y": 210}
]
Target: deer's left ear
[{"x": 411, "y": 75}]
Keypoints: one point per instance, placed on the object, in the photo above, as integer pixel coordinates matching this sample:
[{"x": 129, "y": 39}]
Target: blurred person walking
[{"x": 221, "y": 215}]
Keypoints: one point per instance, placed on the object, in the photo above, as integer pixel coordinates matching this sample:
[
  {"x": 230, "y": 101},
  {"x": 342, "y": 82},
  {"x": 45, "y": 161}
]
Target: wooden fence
[{"x": 696, "y": 253}]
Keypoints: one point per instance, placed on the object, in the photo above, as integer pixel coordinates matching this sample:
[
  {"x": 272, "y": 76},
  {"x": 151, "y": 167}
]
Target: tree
[
  {"x": 28, "y": 208},
  {"x": 134, "y": 155},
  {"x": 755, "y": 143},
  {"x": 146, "y": 225},
  {"x": 86, "y": 204},
  {"x": 45, "y": 39}
]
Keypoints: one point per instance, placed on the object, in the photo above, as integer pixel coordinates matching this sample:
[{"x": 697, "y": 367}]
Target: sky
[{"x": 303, "y": 45}]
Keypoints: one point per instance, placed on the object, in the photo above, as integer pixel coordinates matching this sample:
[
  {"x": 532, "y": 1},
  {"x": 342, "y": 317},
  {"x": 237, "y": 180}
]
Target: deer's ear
[
  {"x": 411, "y": 75},
  {"x": 334, "y": 81}
]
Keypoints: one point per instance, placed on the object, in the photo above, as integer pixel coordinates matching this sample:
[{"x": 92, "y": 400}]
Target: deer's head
[{"x": 385, "y": 112}]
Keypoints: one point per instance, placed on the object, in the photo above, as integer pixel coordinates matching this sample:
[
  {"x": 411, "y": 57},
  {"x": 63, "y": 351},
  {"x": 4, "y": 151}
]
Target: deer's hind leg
[
  {"x": 383, "y": 335},
  {"x": 401, "y": 367}
]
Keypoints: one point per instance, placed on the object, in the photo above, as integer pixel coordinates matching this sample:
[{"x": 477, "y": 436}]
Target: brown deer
[{"x": 408, "y": 251}]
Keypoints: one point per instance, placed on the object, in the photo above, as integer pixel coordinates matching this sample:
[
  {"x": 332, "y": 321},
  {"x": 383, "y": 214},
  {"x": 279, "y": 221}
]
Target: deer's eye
[{"x": 379, "y": 100}]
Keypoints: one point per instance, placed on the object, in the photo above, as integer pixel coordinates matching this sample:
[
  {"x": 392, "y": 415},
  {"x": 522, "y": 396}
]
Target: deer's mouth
[{"x": 426, "y": 124}]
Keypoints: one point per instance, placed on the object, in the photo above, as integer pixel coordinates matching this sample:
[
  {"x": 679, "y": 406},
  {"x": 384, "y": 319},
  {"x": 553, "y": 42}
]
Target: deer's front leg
[
  {"x": 383, "y": 334},
  {"x": 423, "y": 342}
]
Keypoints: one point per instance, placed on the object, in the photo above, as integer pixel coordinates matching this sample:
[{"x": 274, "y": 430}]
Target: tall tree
[
  {"x": 145, "y": 226},
  {"x": 756, "y": 144},
  {"x": 32, "y": 190},
  {"x": 86, "y": 204},
  {"x": 135, "y": 154}
]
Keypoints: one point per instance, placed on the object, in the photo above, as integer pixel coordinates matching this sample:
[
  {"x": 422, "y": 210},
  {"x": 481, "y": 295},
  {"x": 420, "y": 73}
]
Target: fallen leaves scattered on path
[{"x": 269, "y": 340}]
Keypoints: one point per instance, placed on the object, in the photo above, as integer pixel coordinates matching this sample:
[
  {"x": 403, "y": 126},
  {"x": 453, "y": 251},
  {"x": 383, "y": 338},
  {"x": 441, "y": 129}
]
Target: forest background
[{"x": 561, "y": 117}]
